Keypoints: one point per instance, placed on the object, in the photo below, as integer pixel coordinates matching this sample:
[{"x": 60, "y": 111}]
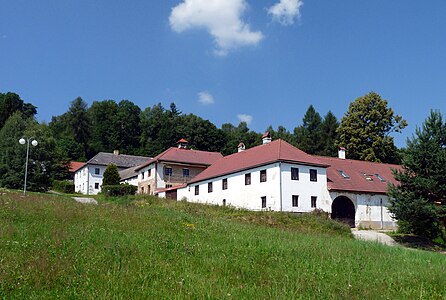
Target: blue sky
[{"x": 226, "y": 60}]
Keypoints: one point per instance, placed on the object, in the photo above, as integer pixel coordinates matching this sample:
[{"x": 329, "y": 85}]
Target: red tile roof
[
  {"x": 362, "y": 176},
  {"x": 275, "y": 151},
  {"x": 172, "y": 188},
  {"x": 73, "y": 166},
  {"x": 188, "y": 156}
]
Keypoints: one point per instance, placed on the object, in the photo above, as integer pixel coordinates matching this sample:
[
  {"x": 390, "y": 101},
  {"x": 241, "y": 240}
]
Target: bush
[
  {"x": 119, "y": 190},
  {"x": 63, "y": 186},
  {"x": 111, "y": 175}
]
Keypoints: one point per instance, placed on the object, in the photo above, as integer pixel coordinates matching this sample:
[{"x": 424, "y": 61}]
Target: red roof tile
[
  {"x": 362, "y": 176},
  {"x": 188, "y": 156},
  {"x": 277, "y": 150},
  {"x": 73, "y": 166}
]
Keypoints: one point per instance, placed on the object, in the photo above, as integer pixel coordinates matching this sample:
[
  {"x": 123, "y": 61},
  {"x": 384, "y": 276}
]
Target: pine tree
[
  {"x": 330, "y": 125},
  {"x": 309, "y": 136},
  {"x": 419, "y": 202}
]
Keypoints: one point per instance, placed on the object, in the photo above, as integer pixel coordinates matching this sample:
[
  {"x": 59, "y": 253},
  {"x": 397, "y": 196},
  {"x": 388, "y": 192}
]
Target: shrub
[
  {"x": 119, "y": 190},
  {"x": 63, "y": 186},
  {"x": 111, "y": 175}
]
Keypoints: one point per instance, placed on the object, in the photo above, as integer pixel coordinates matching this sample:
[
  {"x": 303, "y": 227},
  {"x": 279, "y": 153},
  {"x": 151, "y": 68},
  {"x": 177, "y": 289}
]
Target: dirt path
[{"x": 375, "y": 236}]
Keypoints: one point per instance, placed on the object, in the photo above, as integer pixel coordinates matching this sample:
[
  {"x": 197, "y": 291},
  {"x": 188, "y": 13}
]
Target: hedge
[
  {"x": 119, "y": 190},
  {"x": 63, "y": 186}
]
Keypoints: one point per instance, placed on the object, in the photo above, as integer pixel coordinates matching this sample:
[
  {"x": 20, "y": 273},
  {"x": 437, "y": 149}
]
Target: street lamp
[{"x": 22, "y": 141}]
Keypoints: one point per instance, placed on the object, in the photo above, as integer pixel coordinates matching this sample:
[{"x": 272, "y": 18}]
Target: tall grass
[{"x": 52, "y": 247}]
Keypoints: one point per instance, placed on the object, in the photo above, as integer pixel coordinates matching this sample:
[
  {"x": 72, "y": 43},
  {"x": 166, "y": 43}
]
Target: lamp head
[
  {"x": 22, "y": 141},
  {"x": 34, "y": 143}
]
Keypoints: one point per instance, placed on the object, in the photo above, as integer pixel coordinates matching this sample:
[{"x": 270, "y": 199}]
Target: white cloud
[
  {"x": 245, "y": 118},
  {"x": 221, "y": 18},
  {"x": 205, "y": 98},
  {"x": 286, "y": 11}
]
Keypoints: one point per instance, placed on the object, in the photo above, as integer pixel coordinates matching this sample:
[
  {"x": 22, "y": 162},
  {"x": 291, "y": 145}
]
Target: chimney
[
  {"x": 115, "y": 152},
  {"x": 241, "y": 147},
  {"x": 341, "y": 153},
  {"x": 182, "y": 144},
  {"x": 266, "y": 138}
]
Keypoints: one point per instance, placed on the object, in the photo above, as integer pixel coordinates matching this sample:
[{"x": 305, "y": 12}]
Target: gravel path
[
  {"x": 375, "y": 236},
  {"x": 85, "y": 200}
]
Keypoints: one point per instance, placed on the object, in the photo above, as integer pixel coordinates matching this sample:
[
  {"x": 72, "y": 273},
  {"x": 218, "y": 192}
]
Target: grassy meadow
[{"x": 146, "y": 248}]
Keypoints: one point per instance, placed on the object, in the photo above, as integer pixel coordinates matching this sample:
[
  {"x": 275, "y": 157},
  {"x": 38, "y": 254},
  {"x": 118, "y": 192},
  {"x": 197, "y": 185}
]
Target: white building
[
  {"x": 88, "y": 178},
  {"x": 278, "y": 176},
  {"x": 171, "y": 168}
]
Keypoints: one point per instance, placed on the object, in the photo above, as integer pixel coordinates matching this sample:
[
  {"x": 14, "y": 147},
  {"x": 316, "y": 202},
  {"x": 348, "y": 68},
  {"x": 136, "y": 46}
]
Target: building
[
  {"x": 173, "y": 167},
  {"x": 88, "y": 178},
  {"x": 73, "y": 166},
  {"x": 278, "y": 176}
]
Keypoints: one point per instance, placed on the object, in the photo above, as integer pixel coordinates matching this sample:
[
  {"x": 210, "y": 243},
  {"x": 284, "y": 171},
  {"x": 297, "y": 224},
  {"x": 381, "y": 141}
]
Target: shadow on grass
[{"x": 418, "y": 242}]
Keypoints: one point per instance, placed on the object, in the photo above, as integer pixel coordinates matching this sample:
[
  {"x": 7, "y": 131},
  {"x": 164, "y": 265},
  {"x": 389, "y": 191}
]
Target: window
[
  {"x": 149, "y": 172},
  {"x": 343, "y": 174},
  {"x": 263, "y": 202},
  {"x": 313, "y": 201},
  {"x": 97, "y": 171},
  {"x": 313, "y": 175},
  {"x": 185, "y": 172},
  {"x": 168, "y": 171},
  {"x": 168, "y": 186},
  {"x": 380, "y": 178},
  {"x": 142, "y": 190},
  {"x": 248, "y": 179},
  {"x": 224, "y": 184},
  {"x": 224, "y": 202},
  {"x": 209, "y": 187},
  {"x": 142, "y": 175},
  {"x": 96, "y": 185},
  {"x": 295, "y": 200},
  {"x": 197, "y": 190},
  {"x": 263, "y": 176},
  {"x": 294, "y": 173}
]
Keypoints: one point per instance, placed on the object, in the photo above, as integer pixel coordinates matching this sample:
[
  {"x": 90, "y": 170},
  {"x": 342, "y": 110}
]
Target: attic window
[
  {"x": 380, "y": 178},
  {"x": 343, "y": 174}
]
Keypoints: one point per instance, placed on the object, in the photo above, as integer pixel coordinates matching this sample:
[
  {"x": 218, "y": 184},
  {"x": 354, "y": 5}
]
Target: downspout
[
  {"x": 156, "y": 177},
  {"x": 382, "y": 221},
  {"x": 88, "y": 180},
  {"x": 280, "y": 183}
]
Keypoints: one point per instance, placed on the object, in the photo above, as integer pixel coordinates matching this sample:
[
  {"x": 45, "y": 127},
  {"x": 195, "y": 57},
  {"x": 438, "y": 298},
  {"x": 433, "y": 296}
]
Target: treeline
[{"x": 82, "y": 131}]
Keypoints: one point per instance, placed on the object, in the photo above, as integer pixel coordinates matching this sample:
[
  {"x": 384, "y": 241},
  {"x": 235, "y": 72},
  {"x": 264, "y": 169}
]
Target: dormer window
[
  {"x": 343, "y": 174},
  {"x": 367, "y": 177}
]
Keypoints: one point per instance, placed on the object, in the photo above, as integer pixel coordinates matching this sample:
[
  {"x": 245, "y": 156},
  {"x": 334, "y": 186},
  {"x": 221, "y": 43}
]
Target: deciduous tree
[{"x": 365, "y": 129}]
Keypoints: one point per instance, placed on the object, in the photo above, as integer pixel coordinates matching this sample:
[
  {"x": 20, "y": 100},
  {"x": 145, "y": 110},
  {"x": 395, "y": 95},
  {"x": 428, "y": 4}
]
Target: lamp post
[{"x": 22, "y": 141}]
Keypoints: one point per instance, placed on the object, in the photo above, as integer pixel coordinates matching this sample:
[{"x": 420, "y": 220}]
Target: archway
[{"x": 343, "y": 210}]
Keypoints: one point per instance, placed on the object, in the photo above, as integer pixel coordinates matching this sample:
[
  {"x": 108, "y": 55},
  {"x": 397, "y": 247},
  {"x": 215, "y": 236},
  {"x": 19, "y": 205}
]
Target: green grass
[{"x": 52, "y": 247}]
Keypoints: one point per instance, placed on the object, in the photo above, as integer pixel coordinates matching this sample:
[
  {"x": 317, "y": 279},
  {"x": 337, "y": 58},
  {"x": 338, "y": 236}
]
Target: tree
[
  {"x": 233, "y": 136},
  {"x": 111, "y": 175},
  {"x": 127, "y": 133},
  {"x": 44, "y": 161},
  {"x": 281, "y": 133},
  {"x": 103, "y": 116},
  {"x": 309, "y": 136},
  {"x": 330, "y": 125},
  {"x": 365, "y": 129},
  {"x": 419, "y": 202},
  {"x": 10, "y": 103}
]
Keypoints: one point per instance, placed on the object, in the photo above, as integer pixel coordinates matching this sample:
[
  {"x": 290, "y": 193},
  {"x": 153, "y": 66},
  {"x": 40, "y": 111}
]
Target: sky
[{"x": 259, "y": 61}]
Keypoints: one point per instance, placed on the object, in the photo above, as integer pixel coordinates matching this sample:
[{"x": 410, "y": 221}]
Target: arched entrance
[{"x": 343, "y": 210}]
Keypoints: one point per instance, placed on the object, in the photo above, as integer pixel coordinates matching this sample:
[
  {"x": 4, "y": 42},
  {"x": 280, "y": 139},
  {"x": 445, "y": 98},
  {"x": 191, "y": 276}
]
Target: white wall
[
  {"x": 304, "y": 188},
  {"x": 370, "y": 210},
  {"x": 85, "y": 179},
  {"x": 238, "y": 194},
  {"x": 131, "y": 180}
]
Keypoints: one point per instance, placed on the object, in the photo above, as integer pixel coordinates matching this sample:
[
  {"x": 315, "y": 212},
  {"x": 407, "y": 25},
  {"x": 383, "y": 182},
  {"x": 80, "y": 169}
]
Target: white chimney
[
  {"x": 116, "y": 152},
  {"x": 266, "y": 138},
  {"x": 182, "y": 144},
  {"x": 341, "y": 153},
  {"x": 241, "y": 147}
]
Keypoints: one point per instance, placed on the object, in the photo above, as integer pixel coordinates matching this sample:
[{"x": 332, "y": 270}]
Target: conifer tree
[
  {"x": 419, "y": 202},
  {"x": 309, "y": 136},
  {"x": 111, "y": 175}
]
